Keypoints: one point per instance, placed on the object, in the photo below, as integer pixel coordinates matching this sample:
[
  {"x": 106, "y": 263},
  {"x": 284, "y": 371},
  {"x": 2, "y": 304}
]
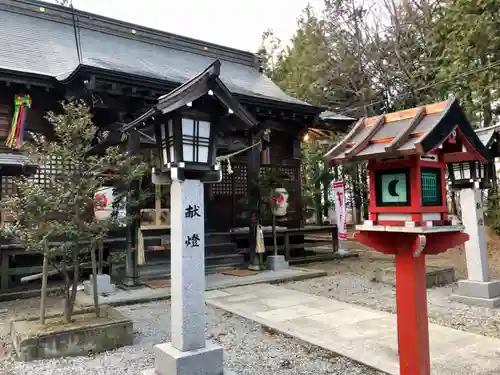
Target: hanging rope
[
  {"x": 226, "y": 158},
  {"x": 21, "y": 105}
]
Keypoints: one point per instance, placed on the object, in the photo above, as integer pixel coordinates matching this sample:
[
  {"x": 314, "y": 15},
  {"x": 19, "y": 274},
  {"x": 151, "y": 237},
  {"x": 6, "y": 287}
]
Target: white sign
[
  {"x": 430, "y": 157},
  {"x": 339, "y": 201},
  {"x": 107, "y": 204}
]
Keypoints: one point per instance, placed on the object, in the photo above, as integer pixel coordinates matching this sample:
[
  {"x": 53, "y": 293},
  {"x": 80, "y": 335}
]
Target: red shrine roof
[{"x": 417, "y": 130}]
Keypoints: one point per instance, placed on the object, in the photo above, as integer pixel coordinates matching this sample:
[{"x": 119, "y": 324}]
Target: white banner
[{"x": 339, "y": 201}]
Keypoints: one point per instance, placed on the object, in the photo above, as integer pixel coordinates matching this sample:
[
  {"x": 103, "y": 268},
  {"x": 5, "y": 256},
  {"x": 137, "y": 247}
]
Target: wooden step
[
  {"x": 213, "y": 264},
  {"x": 215, "y": 248}
]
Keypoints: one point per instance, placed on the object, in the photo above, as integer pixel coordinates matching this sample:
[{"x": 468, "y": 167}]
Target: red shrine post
[{"x": 407, "y": 152}]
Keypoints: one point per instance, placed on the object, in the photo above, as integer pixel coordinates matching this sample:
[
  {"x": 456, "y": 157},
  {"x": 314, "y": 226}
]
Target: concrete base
[
  {"x": 478, "y": 293},
  {"x": 257, "y": 263},
  {"x": 276, "y": 262},
  {"x": 152, "y": 371},
  {"x": 343, "y": 252},
  {"x": 87, "y": 334},
  {"x": 435, "y": 276},
  {"x": 170, "y": 361},
  {"x": 104, "y": 286}
]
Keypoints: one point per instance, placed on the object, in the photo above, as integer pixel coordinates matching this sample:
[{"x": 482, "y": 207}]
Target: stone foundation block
[{"x": 435, "y": 276}]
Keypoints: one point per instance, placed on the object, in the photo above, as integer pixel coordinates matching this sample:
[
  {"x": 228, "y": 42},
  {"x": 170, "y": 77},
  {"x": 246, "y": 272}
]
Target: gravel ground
[
  {"x": 349, "y": 280},
  {"x": 359, "y": 289},
  {"x": 249, "y": 348}
]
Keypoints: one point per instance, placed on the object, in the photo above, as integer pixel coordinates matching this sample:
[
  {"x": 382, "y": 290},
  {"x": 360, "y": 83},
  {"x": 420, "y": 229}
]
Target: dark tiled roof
[{"x": 44, "y": 43}]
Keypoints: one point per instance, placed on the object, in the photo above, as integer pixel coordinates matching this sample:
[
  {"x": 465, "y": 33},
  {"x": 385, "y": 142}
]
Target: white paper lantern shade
[
  {"x": 466, "y": 172},
  {"x": 195, "y": 140},
  {"x": 186, "y": 142}
]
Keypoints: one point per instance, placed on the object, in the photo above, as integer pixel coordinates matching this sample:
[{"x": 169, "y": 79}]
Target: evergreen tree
[
  {"x": 58, "y": 220},
  {"x": 469, "y": 32}
]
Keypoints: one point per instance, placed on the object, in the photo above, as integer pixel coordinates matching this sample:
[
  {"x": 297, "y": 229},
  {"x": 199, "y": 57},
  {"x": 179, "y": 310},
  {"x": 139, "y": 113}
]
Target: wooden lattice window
[
  {"x": 225, "y": 187},
  {"x": 42, "y": 177},
  {"x": 8, "y": 186},
  {"x": 240, "y": 179},
  {"x": 46, "y": 172}
]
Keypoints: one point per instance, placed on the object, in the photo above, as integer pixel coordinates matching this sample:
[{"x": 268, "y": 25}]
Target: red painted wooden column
[
  {"x": 413, "y": 327},
  {"x": 410, "y": 250}
]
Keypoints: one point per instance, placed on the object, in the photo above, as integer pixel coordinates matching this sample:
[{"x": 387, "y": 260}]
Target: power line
[
  {"x": 76, "y": 29},
  {"x": 403, "y": 95}
]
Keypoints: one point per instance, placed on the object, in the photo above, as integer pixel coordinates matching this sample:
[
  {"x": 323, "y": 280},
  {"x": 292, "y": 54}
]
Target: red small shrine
[{"x": 407, "y": 152}]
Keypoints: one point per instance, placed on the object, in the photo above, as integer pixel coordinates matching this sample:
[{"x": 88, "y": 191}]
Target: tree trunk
[
  {"x": 100, "y": 264},
  {"x": 454, "y": 207},
  {"x": 494, "y": 177},
  {"x": 357, "y": 197},
  {"x": 364, "y": 191},
  {"x": 74, "y": 285},
  {"x": 95, "y": 292},
  {"x": 72, "y": 297},
  {"x": 317, "y": 203},
  {"x": 67, "y": 286},
  {"x": 43, "y": 297},
  {"x": 326, "y": 200}
]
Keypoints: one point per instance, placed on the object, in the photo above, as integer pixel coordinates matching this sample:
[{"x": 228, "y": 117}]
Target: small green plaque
[{"x": 393, "y": 188}]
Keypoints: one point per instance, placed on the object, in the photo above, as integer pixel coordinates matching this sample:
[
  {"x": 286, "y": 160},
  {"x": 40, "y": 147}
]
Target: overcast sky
[{"x": 234, "y": 23}]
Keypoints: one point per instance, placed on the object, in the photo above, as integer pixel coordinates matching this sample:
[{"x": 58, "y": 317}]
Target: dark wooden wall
[
  {"x": 43, "y": 100},
  {"x": 227, "y": 201}
]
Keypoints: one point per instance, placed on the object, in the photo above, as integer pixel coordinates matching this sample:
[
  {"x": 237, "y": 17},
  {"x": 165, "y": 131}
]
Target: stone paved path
[
  {"x": 364, "y": 335},
  {"x": 213, "y": 281}
]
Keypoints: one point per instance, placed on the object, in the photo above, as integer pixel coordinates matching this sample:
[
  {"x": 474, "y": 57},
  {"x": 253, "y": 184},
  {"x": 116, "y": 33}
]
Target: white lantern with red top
[{"x": 279, "y": 202}]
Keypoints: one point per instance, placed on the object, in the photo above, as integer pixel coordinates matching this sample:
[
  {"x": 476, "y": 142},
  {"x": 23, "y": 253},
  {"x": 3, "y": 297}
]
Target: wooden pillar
[
  {"x": 1, "y": 192},
  {"x": 4, "y": 270},
  {"x": 326, "y": 206},
  {"x": 4, "y": 262},
  {"x": 299, "y": 202},
  {"x": 494, "y": 178},
  {"x": 288, "y": 250},
  {"x": 253, "y": 195},
  {"x": 131, "y": 268},
  {"x": 413, "y": 327}
]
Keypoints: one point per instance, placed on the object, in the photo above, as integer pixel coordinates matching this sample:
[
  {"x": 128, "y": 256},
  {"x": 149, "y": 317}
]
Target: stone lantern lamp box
[
  {"x": 407, "y": 154},
  {"x": 187, "y": 122}
]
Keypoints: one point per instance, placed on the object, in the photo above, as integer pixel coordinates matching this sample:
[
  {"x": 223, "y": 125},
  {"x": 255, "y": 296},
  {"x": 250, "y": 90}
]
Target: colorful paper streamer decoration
[
  {"x": 265, "y": 155},
  {"x": 22, "y": 103}
]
